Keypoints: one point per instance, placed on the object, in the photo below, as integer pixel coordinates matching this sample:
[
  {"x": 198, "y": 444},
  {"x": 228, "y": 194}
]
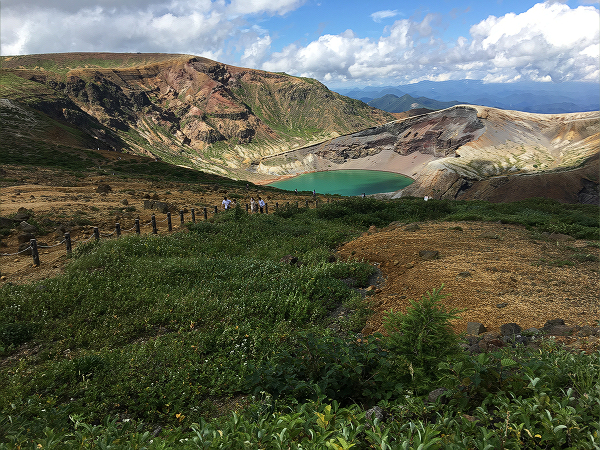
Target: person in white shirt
[
  {"x": 226, "y": 203},
  {"x": 261, "y": 204}
]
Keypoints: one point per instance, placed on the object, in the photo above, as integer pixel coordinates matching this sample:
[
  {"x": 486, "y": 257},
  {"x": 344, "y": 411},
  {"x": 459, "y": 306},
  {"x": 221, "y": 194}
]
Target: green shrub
[
  {"x": 14, "y": 334},
  {"x": 345, "y": 370},
  {"x": 423, "y": 334}
]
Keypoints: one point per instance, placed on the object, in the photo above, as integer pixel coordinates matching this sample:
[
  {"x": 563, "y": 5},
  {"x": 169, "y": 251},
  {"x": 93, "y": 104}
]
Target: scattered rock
[
  {"x": 475, "y": 328},
  {"x": 495, "y": 344},
  {"x": 103, "y": 189},
  {"x": 559, "y": 330},
  {"x": 510, "y": 329},
  {"x": 474, "y": 348},
  {"x": 436, "y": 394},
  {"x": 22, "y": 214},
  {"x": 162, "y": 207},
  {"x": 5, "y": 222},
  {"x": 378, "y": 413},
  {"x": 553, "y": 322},
  {"x": 124, "y": 202},
  {"x": 428, "y": 255},
  {"x": 502, "y": 305},
  {"x": 516, "y": 339},
  {"x": 25, "y": 238},
  {"x": 471, "y": 339},
  {"x": 27, "y": 228},
  {"x": 412, "y": 227},
  {"x": 586, "y": 330},
  {"x": 464, "y": 274}
]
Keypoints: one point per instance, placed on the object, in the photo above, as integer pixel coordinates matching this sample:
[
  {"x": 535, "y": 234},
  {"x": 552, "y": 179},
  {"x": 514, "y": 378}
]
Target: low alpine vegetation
[{"x": 221, "y": 337}]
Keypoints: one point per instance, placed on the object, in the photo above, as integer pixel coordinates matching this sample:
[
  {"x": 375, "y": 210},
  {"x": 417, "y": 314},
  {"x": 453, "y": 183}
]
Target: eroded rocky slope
[
  {"x": 185, "y": 109},
  {"x": 256, "y": 125},
  {"x": 469, "y": 152}
]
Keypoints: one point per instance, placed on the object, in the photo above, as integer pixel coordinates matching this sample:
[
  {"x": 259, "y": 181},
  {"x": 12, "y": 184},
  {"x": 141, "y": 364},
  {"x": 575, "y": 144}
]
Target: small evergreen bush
[{"x": 423, "y": 334}]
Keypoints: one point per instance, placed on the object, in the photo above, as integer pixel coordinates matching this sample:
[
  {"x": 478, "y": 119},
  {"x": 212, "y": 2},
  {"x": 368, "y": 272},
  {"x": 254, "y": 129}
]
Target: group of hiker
[{"x": 254, "y": 205}]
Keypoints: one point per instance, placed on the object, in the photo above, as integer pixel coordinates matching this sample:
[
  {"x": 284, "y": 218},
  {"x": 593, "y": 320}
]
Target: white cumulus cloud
[
  {"x": 208, "y": 28},
  {"x": 550, "y": 41}
]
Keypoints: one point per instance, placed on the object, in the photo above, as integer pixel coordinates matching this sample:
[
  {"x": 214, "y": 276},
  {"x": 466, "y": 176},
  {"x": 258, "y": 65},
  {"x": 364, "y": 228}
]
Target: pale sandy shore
[{"x": 386, "y": 160}]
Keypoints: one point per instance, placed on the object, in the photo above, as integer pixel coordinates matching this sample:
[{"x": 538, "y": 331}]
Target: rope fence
[{"x": 69, "y": 242}]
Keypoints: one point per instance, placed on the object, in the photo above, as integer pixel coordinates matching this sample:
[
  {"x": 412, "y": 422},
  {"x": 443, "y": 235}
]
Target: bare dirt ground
[
  {"x": 496, "y": 273},
  {"x": 77, "y": 205}
]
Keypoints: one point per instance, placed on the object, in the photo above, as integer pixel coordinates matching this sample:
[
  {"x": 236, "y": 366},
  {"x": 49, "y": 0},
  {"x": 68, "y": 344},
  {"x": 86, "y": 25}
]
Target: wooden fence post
[
  {"x": 205, "y": 214},
  {"x": 154, "y": 230},
  {"x": 137, "y": 226},
  {"x": 193, "y": 215},
  {"x": 307, "y": 203},
  {"x": 276, "y": 206},
  {"x": 216, "y": 209},
  {"x": 34, "y": 252},
  {"x": 68, "y": 243},
  {"x": 169, "y": 224},
  {"x": 96, "y": 233},
  {"x": 266, "y": 208},
  {"x": 181, "y": 217},
  {"x": 118, "y": 229},
  {"x": 247, "y": 208}
]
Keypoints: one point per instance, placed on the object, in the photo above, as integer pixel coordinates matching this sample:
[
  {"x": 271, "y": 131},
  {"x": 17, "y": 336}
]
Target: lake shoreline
[
  {"x": 346, "y": 182},
  {"x": 385, "y": 161}
]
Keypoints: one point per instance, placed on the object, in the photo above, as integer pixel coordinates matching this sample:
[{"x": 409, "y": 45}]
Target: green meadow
[{"x": 206, "y": 339}]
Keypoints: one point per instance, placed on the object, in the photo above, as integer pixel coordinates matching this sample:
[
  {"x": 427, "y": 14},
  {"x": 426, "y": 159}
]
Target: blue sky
[{"x": 341, "y": 43}]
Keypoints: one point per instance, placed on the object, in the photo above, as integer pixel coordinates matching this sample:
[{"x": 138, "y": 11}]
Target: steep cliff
[{"x": 181, "y": 108}]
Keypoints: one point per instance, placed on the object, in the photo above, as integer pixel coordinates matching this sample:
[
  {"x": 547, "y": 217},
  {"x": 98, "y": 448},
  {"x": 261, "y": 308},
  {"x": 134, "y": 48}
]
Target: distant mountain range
[
  {"x": 544, "y": 98},
  {"x": 394, "y": 104}
]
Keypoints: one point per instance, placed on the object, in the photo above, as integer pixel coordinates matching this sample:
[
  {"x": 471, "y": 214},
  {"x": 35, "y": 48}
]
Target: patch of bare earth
[
  {"x": 495, "y": 273},
  {"x": 57, "y": 199}
]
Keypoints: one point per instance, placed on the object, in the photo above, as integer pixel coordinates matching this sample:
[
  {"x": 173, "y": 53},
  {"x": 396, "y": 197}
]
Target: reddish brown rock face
[{"x": 182, "y": 104}]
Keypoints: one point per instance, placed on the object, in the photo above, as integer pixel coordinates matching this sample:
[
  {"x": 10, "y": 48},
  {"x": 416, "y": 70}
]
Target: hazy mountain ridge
[
  {"x": 181, "y": 108},
  {"x": 394, "y": 104},
  {"x": 543, "y": 98}
]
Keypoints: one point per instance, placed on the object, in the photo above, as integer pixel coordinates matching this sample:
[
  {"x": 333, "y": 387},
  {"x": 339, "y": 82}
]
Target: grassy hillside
[
  {"x": 61, "y": 63},
  {"x": 152, "y": 341},
  {"x": 182, "y": 109}
]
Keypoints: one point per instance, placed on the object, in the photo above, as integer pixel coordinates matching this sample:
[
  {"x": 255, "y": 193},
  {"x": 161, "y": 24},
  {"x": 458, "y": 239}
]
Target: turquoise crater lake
[{"x": 346, "y": 182}]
